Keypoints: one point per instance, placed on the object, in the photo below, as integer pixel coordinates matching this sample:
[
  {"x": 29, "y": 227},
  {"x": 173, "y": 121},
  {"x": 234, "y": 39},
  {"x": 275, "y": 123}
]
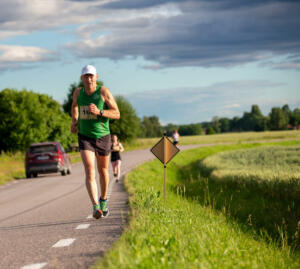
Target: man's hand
[
  {"x": 74, "y": 127},
  {"x": 94, "y": 109}
]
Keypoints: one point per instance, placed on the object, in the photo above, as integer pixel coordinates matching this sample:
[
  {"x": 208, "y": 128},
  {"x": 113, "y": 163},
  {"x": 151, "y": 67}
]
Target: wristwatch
[{"x": 101, "y": 112}]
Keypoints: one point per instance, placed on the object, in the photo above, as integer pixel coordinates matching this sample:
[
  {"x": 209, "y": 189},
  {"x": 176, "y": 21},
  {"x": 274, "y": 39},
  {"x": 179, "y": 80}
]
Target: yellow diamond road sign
[{"x": 164, "y": 150}]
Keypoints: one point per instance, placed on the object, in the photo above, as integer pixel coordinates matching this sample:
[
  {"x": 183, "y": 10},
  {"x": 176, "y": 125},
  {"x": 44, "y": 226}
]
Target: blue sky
[{"x": 183, "y": 61}]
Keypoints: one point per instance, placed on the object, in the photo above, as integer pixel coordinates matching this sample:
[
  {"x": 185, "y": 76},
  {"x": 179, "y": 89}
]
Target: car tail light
[
  {"x": 60, "y": 158},
  {"x": 55, "y": 156},
  {"x": 29, "y": 158}
]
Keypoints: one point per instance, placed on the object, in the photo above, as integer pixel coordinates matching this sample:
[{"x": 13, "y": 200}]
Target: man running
[{"x": 92, "y": 108}]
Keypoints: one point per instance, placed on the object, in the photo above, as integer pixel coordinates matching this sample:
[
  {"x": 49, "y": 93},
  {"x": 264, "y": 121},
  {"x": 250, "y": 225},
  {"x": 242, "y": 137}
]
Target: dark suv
[{"x": 47, "y": 157}]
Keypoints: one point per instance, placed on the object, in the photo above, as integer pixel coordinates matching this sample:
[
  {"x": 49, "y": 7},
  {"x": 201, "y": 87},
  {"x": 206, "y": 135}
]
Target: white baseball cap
[{"x": 88, "y": 69}]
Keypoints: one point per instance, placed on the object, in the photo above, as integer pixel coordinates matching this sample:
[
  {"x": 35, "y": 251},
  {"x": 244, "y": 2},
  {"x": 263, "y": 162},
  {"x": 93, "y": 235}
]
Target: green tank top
[{"x": 89, "y": 124}]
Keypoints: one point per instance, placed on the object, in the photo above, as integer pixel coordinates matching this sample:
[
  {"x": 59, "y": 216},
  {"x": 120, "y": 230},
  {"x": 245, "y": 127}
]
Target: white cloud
[
  {"x": 27, "y": 16},
  {"x": 233, "y": 106},
  {"x": 193, "y": 33},
  {"x": 7, "y": 34},
  {"x": 170, "y": 33},
  {"x": 197, "y": 104},
  {"x": 18, "y": 17},
  {"x": 13, "y": 54}
]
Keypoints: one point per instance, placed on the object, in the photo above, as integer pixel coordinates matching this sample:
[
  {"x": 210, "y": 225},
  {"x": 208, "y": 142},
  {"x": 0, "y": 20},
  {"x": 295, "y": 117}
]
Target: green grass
[
  {"x": 202, "y": 224},
  {"x": 220, "y": 138},
  {"x": 269, "y": 163},
  {"x": 13, "y": 165},
  {"x": 269, "y": 202},
  {"x": 75, "y": 157}
]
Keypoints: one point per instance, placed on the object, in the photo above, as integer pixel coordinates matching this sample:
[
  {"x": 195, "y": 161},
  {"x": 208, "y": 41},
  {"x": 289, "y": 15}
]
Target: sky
[{"x": 185, "y": 61}]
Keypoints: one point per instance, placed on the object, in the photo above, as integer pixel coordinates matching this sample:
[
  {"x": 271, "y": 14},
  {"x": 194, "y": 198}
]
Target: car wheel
[
  {"x": 35, "y": 174},
  {"x": 28, "y": 175}
]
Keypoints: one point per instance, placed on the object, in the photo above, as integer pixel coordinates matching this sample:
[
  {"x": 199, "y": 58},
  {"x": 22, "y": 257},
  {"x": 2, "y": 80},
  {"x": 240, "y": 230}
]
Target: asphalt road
[{"x": 46, "y": 222}]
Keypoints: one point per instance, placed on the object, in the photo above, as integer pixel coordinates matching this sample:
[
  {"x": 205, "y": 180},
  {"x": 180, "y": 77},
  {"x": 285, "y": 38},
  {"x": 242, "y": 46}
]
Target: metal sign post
[
  {"x": 165, "y": 182},
  {"x": 164, "y": 150}
]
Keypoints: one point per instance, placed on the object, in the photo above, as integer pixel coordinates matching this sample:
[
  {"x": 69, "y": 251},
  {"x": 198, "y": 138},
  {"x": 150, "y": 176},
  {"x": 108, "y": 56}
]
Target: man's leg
[
  {"x": 102, "y": 162},
  {"x": 88, "y": 158}
]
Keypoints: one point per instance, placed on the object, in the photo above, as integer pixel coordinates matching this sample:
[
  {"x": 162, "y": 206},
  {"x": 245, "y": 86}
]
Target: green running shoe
[
  {"x": 103, "y": 208},
  {"x": 97, "y": 213}
]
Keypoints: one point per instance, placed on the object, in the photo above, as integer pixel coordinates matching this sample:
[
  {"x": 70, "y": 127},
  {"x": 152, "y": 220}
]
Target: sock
[{"x": 96, "y": 207}]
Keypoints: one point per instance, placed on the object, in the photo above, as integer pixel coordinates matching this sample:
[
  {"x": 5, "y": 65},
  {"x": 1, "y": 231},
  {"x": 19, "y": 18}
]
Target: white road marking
[
  {"x": 89, "y": 217},
  {"x": 64, "y": 243},
  {"x": 82, "y": 226},
  {"x": 35, "y": 266}
]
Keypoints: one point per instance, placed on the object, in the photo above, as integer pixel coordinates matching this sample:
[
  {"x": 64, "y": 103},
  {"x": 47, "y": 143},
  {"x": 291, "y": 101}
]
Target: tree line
[
  {"x": 131, "y": 126},
  {"x": 279, "y": 118},
  {"x": 28, "y": 117}
]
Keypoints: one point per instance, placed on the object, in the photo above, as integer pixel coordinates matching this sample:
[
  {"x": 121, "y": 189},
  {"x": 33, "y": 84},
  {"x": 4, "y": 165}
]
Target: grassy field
[
  {"x": 217, "y": 214},
  {"x": 12, "y": 165},
  {"x": 207, "y": 222},
  {"x": 268, "y": 163},
  {"x": 220, "y": 138}
]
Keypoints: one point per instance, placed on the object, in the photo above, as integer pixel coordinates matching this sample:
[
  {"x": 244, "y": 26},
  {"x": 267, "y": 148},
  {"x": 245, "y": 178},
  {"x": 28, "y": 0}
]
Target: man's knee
[
  {"x": 103, "y": 172},
  {"x": 90, "y": 178},
  {"x": 90, "y": 173}
]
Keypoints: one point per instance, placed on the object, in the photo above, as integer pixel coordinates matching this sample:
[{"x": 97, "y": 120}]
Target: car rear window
[{"x": 44, "y": 148}]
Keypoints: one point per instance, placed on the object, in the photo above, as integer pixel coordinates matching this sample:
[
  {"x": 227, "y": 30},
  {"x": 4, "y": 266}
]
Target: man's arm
[
  {"x": 113, "y": 111},
  {"x": 74, "y": 110}
]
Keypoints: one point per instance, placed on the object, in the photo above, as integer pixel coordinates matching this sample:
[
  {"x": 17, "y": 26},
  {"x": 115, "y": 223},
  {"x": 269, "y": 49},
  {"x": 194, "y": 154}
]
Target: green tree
[
  {"x": 190, "y": 129},
  {"x": 28, "y": 117},
  {"x": 151, "y": 127},
  {"x": 295, "y": 117},
  {"x": 287, "y": 113},
  {"x": 278, "y": 119},
  {"x": 67, "y": 104},
  {"x": 215, "y": 123},
  {"x": 170, "y": 128},
  {"x": 235, "y": 125},
  {"x": 210, "y": 130},
  {"x": 254, "y": 120},
  {"x": 127, "y": 127},
  {"x": 259, "y": 121},
  {"x": 224, "y": 125}
]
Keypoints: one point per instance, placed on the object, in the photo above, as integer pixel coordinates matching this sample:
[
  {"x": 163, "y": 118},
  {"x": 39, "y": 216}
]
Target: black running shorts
[{"x": 101, "y": 146}]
